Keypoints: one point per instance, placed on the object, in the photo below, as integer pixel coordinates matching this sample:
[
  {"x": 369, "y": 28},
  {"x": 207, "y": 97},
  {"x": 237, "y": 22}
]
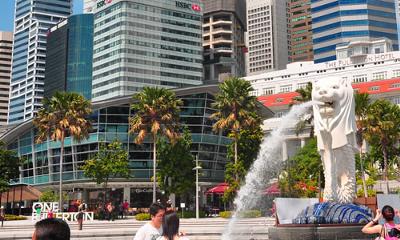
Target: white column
[
  {"x": 284, "y": 151},
  {"x": 303, "y": 142},
  {"x": 127, "y": 194}
]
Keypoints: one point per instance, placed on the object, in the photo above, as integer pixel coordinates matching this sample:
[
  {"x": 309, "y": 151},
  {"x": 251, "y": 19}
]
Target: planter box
[{"x": 370, "y": 202}]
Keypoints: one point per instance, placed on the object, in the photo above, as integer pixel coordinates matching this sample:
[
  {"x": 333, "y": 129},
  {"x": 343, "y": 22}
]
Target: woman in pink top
[{"x": 389, "y": 230}]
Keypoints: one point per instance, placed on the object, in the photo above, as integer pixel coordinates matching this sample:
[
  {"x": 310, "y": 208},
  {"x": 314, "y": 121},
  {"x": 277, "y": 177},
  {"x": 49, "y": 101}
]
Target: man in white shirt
[{"x": 153, "y": 229}]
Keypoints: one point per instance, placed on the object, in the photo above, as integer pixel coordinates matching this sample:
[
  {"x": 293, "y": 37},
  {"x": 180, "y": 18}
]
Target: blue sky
[{"x": 7, "y": 13}]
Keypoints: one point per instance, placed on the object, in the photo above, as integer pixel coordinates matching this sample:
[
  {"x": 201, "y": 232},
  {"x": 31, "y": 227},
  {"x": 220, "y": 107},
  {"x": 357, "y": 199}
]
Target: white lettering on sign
[
  {"x": 41, "y": 210},
  {"x": 368, "y": 59}
]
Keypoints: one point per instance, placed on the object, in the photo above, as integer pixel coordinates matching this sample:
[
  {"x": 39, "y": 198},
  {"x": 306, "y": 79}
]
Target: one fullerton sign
[{"x": 41, "y": 210}]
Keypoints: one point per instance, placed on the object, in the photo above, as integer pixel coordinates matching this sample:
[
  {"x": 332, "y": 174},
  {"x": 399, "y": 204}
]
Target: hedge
[
  {"x": 243, "y": 214},
  {"x": 142, "y": 216},
  {"x": 10, "y": 217},
  {"x": 190, "y": 214}
]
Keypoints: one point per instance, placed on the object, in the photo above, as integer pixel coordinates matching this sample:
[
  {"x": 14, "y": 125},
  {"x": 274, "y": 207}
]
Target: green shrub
[
  {"x": 10, "y": 217},
  {"x": 243, "y": 214},
  {"x": 250, "y": 214},
  {"x": 142, "y": 216},
  {"x": 225, "y": 214},
  {"x": 190, "y": 214}
]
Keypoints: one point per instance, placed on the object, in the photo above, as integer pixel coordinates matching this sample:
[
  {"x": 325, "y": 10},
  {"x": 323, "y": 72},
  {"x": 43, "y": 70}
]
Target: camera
[{"x": 394, "y": 232}]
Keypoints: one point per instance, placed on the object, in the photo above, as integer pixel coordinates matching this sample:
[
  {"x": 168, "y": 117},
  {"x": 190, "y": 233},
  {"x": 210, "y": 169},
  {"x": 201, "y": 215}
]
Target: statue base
[
  {"x": 317, "y": 231},
  {"x": 333, "y": 213}
]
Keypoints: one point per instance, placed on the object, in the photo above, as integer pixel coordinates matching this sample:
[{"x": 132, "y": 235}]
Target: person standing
[
  {"x": 152, "y": 230},
  {"x": 110, "y": 211},
  {"x": 125, "y": 206},
  {"x": 170, "y": 227},
  {"x": 81, "y": 211},
  {"x": 2, "y": 215}
]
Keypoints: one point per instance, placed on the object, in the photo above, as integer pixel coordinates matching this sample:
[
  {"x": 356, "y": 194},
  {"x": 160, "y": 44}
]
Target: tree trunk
[
  {"x": 364, "y": 183},
  {"x": 385, "y": 167},
  {"x": 236, "y": 158},
  {"x": 105, "y": 192},
  {"x": 61, "y": 206},
  {"x": 154, "y": 167}
]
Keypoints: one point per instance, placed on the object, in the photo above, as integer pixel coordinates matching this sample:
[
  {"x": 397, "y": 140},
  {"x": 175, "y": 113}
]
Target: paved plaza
[{"x": 124, "y": 229}]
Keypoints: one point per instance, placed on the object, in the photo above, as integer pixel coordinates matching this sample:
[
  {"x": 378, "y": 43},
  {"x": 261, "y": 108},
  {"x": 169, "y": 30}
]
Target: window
[
  {"x": 268, "y": 91},
  {"x": 360, "y": 78},
  {"x": 395, "y": 85},
  {"x": 378, "y": 75},
  {"x": 395, "y": 100},
  {"x": 254, "y": 93},
  {"x": 302, "y": 85},
  {"x": 285, "y": 88},
  {"x": 396, "y": 73},
  {"x": 373, "y": 88}
]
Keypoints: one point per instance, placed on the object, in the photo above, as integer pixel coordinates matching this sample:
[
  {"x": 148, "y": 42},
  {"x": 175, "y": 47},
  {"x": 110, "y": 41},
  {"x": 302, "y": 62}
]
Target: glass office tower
[
  {"x": 69, "y": 56},
  {"x": 338, "y": 21},
  {"x": 32, "y": 20},
  {"x": 140, "y": 43}
]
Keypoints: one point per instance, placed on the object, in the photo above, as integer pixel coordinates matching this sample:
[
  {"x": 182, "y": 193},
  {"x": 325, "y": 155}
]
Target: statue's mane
[{"x": 342, "y": 126}]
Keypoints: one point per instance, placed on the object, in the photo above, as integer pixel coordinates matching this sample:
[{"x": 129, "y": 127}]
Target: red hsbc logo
[{"x": 196, "y": 8}]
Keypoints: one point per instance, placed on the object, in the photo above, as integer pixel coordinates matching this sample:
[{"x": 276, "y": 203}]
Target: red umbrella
[
  {"x": 219, "y": 189},
  {"x": 272, "y": 190}
]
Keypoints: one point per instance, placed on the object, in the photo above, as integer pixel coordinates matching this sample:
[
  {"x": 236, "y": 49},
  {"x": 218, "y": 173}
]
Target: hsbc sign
[
  {"x": 102, "y": 3},
  {"x": 194, "y": 7}
]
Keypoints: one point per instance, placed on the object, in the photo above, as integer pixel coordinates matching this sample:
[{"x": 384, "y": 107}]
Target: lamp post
[{"x": 197, "y": 168}]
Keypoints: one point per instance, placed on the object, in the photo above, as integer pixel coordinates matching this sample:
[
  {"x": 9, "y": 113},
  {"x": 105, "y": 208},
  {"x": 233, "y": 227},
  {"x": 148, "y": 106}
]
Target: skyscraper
[
  {"x": 335, "y": 22},
  {"x": 267, "y": 36},
  {"x": 140, "y": 43},
  {"x": 32, "y": 20},
  {"x": 88, "y": 6},
  {"x": 5, "y": 73},
  {"x": 224, "y": 25},
  {"x": 69, "y": 56},
  {"x": 300, "y": 29}
]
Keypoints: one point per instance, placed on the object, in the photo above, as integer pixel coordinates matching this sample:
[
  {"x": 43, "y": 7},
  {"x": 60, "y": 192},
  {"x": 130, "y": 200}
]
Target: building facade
[
  {"x": 369, "y": 67},
  {"x": 300, "y": 30},
  {"x": 224, "y": 25},
  {"x": 267, "y": 36},
  {"x": 6, "y": 40},
  {"x": 111, "y": 121},
  {"x": 69, "y": 56},
  {"x": 140, "y": 43},
  {"x": 88, "y": 6},
  {"x": 32, "y": 19},
  {"x": 335, "y": 22}
]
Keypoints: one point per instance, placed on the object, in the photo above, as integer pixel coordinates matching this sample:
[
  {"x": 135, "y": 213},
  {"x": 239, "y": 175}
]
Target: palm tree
[
  {"x": 156, "y": 111},
  {"x": 63, "y": 115},
  {"x": 383, "y": 128},
  {"x": 304, "y": 96},
  {"x": 361, "y": 110},
  {"x": 235, "y": 109}
]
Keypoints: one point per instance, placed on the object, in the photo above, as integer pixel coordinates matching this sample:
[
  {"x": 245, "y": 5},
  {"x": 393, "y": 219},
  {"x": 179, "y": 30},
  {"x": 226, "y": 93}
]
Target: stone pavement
[{"x": 124, "y": 229}]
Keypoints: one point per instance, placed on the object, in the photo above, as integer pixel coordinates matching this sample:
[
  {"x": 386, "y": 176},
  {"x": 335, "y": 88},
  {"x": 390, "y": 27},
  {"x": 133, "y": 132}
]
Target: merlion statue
[{"x": 335, "y": 128}]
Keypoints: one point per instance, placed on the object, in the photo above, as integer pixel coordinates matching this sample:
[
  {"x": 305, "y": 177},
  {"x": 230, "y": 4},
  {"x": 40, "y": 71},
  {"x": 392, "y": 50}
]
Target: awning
[
  {"x": 219, "y": 189},
  {"x": 272, "y": 190},
  {"x": 20, "y": 192}
]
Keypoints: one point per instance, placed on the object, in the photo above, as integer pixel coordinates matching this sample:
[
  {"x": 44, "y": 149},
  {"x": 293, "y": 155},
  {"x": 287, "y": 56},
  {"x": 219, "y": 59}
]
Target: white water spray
[{"x": 264, "y": 167}]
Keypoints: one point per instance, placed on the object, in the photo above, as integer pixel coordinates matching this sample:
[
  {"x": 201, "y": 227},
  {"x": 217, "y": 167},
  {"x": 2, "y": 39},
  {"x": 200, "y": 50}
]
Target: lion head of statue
[{"x": 334, "y": 109}]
